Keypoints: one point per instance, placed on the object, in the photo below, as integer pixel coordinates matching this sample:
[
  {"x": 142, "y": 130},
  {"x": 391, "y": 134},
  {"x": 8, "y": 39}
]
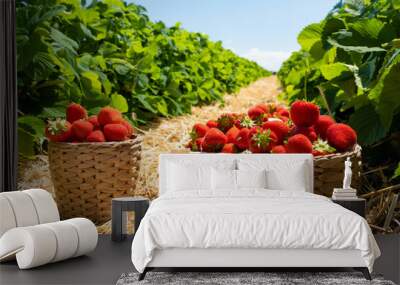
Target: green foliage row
[
  {"x": 110, "y": 53},
  {"x": 350, "y": 64}
]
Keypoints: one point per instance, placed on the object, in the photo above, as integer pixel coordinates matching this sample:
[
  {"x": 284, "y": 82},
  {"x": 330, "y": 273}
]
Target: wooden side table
[
  {"x": 120, "y": 207},
  {"x": 357, "y": 205}
]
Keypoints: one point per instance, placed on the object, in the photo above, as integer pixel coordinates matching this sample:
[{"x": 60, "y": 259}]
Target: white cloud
[{"x": 270, "y": 60}]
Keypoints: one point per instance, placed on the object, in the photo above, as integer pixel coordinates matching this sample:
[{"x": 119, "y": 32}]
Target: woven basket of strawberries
[
  {"x": 269, "y": 128},
  {"x": 92, "y": 160}
]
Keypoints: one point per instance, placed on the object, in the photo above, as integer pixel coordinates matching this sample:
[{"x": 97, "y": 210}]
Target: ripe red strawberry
[
  {"x": 266, "y": 117},
  {"x": 341, "y": 136},
  {"x": 262, "y": 141},
  {"x": 226, "y": 121},
  {"x": 96, "y": 136},
  {"x": 198, "y": 131},
  {"x": 212, "y": 124},
  {"x": 129, "y": 127},
  {"x": 115, "y": 132},
  {"x": 229, "y": 148},
  {"x": 278, "y": 149},
  {"x": 263, "y": 106},
  {"x": 81, "y": 129},
  {"x": 284, "y": 119},
  {"x": 256, "y": 113},
  {"x": 322, "y": 125},
  {"x": 93, "y": 120},
  {"x": 283, "y": 112},
  {"x": 254, "y": 130},
  {"x": 231, "y": 134},
  {"x": 317, "y": 153},
  {"x": 307, "y": 131},
  {"x": 75, "y": 112},
  {"x": 280, "y": 129},
  {"x": 321, "y": 147},
  {"x": 214, "y": 140},
  {"x": 243, "y": 122},
  {"x": 304, "y": 114},
  {"x": 243, "y": 139},
  {"x": 108, "y": 115},
  {"x": 195, "y": 145},
  {"x": 299, "y": 144},
  {"x": 58, "y": 131},
  {"x": 199, "y": 143}
]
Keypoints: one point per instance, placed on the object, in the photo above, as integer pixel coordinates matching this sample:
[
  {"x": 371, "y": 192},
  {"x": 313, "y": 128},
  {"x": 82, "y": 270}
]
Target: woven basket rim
[
  {"x": 357, "y": 148},
  {"x": 98, "y": 143}
]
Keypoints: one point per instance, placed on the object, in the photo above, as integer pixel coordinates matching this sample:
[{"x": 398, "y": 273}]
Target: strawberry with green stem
[
  {"x": 226, "y": 121},
  {"x": 280, "y": 129},
  {"x": 58, "y": 130},
  {"x": 244, "y": 122},
  {"x": 321, "y": 147},
  {"x": 262, "y": 141}
]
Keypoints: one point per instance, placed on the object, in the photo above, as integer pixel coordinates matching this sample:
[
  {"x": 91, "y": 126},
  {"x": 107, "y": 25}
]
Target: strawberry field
[
  {"x": 349, "y": 63},
  {"x": 110, "y": 53},
  {"x": 103, "y": 72}
]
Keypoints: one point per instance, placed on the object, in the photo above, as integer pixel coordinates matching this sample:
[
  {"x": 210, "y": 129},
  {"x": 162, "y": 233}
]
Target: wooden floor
[{"x": 111, "y": 259}]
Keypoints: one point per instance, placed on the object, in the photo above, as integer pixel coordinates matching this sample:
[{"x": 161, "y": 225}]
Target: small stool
[{"x": 120, "y": 206}]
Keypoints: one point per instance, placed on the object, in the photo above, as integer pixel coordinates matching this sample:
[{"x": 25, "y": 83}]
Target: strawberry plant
[
  {"x": 107, "y": 52},
  {"x": 349, "y": 63}
]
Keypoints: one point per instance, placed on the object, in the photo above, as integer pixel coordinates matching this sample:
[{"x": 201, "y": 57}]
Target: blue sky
[{"x": 261, "y": 30}]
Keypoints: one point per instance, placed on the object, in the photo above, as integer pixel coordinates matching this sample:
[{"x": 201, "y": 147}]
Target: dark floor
[
  {"x": 103, "y": 266},
  {"x": 111, "y": 259}
]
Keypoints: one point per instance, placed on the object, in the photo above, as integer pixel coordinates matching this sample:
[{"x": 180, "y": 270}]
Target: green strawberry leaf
[{"x": 119, "y": 102}]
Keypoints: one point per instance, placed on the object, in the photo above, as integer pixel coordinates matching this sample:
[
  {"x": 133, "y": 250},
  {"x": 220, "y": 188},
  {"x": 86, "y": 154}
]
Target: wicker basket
[
  {"x": 329, "y": 171},
  {"x": 87, "y": 176}
]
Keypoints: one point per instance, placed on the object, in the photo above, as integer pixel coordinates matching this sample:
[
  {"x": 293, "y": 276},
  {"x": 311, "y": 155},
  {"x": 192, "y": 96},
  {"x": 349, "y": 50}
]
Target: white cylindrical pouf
[
  {"x": 46, "y": 207},
  {"x": 87, "y": 234},
  {"x": 37, "y": 245},
  {"x": 7, "y": 218},
  {"x": 33, "y": 246},
  {"x": 67, "y": 240},
  {"x": 23, "y": 208}
]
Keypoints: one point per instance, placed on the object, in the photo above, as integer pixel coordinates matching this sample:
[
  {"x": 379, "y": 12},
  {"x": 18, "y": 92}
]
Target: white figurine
[{"x": 347, "y": 174}]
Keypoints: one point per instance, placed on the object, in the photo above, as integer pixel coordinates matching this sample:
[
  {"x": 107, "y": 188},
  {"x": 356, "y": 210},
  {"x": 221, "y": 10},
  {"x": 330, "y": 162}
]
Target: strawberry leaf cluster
[{"x": 108, "y": 53}]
